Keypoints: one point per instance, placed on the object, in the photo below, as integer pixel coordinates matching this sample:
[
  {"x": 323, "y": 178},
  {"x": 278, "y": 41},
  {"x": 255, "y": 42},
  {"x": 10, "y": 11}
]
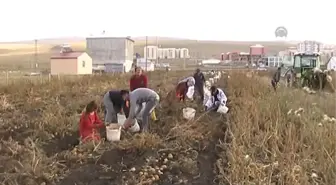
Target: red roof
[{"x": 70, "y": 55}]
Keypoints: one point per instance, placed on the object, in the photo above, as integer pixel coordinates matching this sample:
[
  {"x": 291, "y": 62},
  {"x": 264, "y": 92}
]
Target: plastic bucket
[
  {"x": 113, "y": 132},
  {"x": 121, "y": 119}
]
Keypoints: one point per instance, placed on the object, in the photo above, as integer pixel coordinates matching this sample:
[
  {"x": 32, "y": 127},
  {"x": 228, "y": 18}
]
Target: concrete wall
[
  {"x": 84, "y": 64},
  {"x": 63, "y": 66},
  {"x": 107, "y": 49}
]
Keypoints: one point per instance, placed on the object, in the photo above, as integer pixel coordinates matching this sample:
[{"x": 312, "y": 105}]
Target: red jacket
[
  {"x": 138, "y": 82},
  {"x": 181, "y": 90},
  {"x": 88, "y": 125}
]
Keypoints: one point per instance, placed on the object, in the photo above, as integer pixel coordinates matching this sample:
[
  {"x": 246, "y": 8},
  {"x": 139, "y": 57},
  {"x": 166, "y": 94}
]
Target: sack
[
  {"x": 191, "y": 91},
  {"x": 223, "y": 109},
  {"x": 189, "y": 113},
  {"x": 135, "y": 127}
]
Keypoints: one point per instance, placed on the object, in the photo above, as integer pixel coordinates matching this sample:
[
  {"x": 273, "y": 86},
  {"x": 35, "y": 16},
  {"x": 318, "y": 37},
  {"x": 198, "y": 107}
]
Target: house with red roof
[{"x": 69, "y": 62}]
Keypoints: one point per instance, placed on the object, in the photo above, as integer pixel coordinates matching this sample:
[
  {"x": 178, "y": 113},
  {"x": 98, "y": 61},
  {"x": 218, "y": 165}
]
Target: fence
[{"x": 10, "y": 78}]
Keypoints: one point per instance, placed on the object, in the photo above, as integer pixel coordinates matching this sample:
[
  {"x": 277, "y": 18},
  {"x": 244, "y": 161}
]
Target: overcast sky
[{"x": 195, "y": 19}]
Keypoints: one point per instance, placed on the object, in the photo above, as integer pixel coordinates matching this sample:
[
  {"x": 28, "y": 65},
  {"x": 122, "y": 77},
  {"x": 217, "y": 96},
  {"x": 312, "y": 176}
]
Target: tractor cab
[{"x": 305, "y": 61}]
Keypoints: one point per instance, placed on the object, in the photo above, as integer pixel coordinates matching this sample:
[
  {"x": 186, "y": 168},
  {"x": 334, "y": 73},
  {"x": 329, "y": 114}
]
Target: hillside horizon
[{"x": 151, "y": 39}]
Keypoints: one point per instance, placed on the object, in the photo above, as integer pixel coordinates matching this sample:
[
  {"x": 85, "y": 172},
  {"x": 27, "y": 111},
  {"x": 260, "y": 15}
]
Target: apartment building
[{"x": 154, "y": 52}]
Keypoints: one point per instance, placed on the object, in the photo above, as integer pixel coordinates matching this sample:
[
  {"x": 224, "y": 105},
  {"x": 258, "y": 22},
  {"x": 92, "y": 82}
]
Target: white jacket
[
  {"x": 220, "y": 96},
  {"x": 190, "y": 81}
]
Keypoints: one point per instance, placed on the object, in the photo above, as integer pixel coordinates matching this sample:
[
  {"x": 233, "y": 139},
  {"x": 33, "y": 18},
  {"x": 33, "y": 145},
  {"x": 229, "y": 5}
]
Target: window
[
  {"x": 83, "y": 63},
  {"x": 297, "y": 61},
  {"x": 305, "y": 62}
]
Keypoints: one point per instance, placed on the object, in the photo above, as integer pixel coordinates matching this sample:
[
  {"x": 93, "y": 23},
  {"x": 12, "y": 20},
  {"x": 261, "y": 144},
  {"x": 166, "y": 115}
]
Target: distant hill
[
  {"x": 60, "y": 40},
  {"x": 197, "y": 48}
]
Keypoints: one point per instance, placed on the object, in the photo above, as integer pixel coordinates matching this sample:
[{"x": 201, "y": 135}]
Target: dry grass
[
  {"x": 39, "y": 131},
  {"x": 271, "y": 146},
  {"x": 257, "y": 142}
]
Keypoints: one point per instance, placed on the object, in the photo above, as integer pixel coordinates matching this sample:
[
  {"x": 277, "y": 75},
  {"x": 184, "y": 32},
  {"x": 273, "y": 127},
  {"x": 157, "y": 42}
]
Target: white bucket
[
  {"x": 121, "y": 119},
  {"x": 189, "y": 113},
  {"x": 135, "y": 127},
  {"x": 113, "y": 132},
  {"x": 222, "y": 109}
]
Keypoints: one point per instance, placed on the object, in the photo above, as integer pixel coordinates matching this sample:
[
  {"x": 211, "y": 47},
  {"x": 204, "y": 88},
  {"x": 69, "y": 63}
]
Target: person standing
[
  {"x": 199, "y": 83},
  {"x": 140, "y": 80},
  {"x": 276, "y": 78},
  {"x": 114, "y": 102},
  {"x": 136, "y": 99},
  {"x": 90, "y": 123}
]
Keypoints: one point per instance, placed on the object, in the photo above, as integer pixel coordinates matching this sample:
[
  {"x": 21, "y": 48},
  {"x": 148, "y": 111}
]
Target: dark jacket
[
  {"x": 117, "y": 100},
  {"x": 276, "y": 76},
  {"x": 199, "y": 79}
]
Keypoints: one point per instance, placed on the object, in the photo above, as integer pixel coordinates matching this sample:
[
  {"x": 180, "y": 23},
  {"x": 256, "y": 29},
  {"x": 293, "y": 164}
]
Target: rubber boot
[{"x": 153, "y": 116}]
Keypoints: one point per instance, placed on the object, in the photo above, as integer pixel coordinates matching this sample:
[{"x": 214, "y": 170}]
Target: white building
[
  {"x": 153, "y": 52},
  {"x": 141, "y": 62},
  {"x": 184, "y": 53},
  {"x": 107, "y": 50},
  {"x": 124, "y": 67},
  {"x": 210, "y": 61},
  {"x": 309, "y": 46},
  {"x": 331, "y": 65}
]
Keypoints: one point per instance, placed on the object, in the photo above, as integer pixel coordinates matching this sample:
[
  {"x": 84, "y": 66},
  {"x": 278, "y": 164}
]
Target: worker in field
[
  {"x": 90, "y": 123},
  {"x": 183, "y": 87},
  {"x": 140, "y": 80},
  {"x": 114, "y": 102},
  {"x": 137, "y": 99},
  {"x": 218, "y": 98},
  {"x": 276, "y": 78},
  {"x": 199, "y": 83}
]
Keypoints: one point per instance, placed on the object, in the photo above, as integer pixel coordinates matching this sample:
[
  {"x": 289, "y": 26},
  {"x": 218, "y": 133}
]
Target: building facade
[
  {"x": 154, "y": 52},
  {"x": 106, "y": 50},
  {"x": 70, "y": 63}
]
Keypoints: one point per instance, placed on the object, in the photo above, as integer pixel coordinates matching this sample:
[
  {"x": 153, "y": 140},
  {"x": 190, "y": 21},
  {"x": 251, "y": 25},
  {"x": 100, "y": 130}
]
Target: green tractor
[{"x": 304, "y": 71}]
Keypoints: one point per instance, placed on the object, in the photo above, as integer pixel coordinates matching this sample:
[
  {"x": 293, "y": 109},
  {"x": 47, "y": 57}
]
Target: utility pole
[
  {"x": 157, "y": 50},
  {"x": 146, "y": 51},
  {"x": 36, "y": 55}
]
